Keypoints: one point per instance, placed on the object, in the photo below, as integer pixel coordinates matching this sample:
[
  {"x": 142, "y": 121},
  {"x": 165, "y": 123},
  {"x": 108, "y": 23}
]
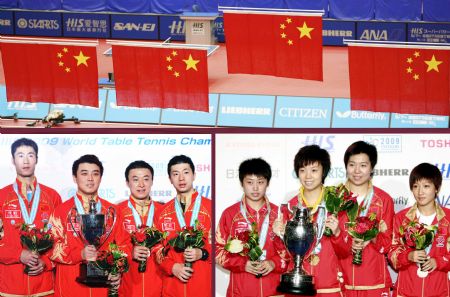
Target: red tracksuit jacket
[
  {"x": 328, "y": 271},
  {"x": 134, "y": 283},
  {"x": 199, "y": 285},
  {"x": 242, "y": 283},
  {"x": 373, "y": 273},
  {"x": 408, "y": 283},
  {"x": 66, "y": 252},
  {"x": 13, "y": 281}
]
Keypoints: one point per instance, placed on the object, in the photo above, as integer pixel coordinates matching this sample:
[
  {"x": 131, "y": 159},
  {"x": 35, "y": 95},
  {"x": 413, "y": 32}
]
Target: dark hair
[
  {"x": 91, "y": 159},
  {"x": 180, "y": 159},
  {"x": 24, "y": 142},
  {"x": 362, "y": 147},
  {"x": 310, "y": 154},
  {"x": 137, "y": 165},
  {"x": 255, "y": 166},
  {"x": 425, "y": 171}
]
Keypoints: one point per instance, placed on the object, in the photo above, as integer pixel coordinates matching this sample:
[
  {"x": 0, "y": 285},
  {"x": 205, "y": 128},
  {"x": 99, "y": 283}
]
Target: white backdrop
[
  {"x": 397, "y": 154},
  {"x": 57, "y": 152}
]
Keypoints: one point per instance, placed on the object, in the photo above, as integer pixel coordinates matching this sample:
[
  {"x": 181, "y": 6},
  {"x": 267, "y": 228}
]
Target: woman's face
[
  {"x": 424, "y": 192},
  {"x": 311, "y": 176},
  {"x": 359, "y": 169}
]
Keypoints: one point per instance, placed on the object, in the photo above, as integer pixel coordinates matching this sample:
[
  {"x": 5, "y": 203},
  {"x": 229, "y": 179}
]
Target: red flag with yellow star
[
  {"x": 400, "y": 79},
  {"x": 165, "y": 77},
  {"x": 280, "y": 44},
  {"x": 59, "y": 72}
]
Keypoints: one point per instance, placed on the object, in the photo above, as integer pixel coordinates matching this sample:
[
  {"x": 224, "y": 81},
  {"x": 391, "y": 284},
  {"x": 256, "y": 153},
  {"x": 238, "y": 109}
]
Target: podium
[{"x": 199, "y": 27}]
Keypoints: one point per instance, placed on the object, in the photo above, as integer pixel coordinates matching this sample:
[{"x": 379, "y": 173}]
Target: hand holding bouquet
[
  {"x": 148, "y": 237},
  {"x": 188, "y": 237},
  {"x": 36, "y": 240},
  {"x": 338, "y": 199},
  {"x": 364, "y": 228},
  {"x": 113, "y": 261}
]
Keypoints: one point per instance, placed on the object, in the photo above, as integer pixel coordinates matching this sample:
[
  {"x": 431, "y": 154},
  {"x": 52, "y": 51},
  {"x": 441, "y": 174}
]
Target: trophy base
[
  {"x": 297, "y": 284},
  {"x": 92, "y": 276}
]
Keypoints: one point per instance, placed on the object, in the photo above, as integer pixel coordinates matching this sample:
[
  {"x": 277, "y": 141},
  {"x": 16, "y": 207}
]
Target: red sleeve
[
  {"x": 398, "y": 253},
  {"x": 229, "y": 261},
  {"x": 281, "y": 258},
  {"x": 342, "y": 244},
  {"x": 384, "y": 238}
]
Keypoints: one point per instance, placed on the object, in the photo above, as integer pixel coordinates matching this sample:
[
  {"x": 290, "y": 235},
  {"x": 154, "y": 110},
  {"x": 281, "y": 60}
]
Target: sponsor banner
[
  {"x": 24, "y": 110},
  {"x": 129, "y": 114},
  {"x": 6, "y": 22},
  {"x": 444, "y": 167},
  {"x": 334, "y": 32},
  {"x": 418, "y": 121},
  {"x": 38, "y": 23},
  {"x": 303, "y": 112},
  {"x": 171, "y": 26},
  {"x": 429, "y": 32},
  {"x": 84, "y": 113},
  {"x": 387, "y": 143},
  {"x": 134, "y": 26},
  {"x": 86, "y": 25},
  {"x": 344, "y": 117},
  {"x": 218, "y": 29},
  {"x": 381, "y": 31},
  {"x": 246, "y": 110},
  {"x": 191, "y": 117}
]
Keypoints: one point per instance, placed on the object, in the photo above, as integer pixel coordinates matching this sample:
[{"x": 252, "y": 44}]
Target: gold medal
[{"x": 314, "y": 260}]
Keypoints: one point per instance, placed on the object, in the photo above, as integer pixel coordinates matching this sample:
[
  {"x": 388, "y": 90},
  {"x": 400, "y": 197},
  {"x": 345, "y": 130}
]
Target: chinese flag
[
  {"x": 279, "y": 45},
  {"x": 399, "y": 79},
  {"x": 161, "y": 77},
  {"x": 52, "y": 73}
]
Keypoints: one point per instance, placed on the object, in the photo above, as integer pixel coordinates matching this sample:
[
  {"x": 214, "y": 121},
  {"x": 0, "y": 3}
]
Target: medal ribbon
[
  {"x": 137, "y": 217},
  {"x": 80, "y": 208},
  {"x": 28, "y": 218},
  {"x": 195, "y": 212},
  {"x": 365, "y": 204}
]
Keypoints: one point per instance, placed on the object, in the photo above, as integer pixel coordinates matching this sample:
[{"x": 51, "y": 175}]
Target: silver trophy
[
  {"x": 94, "y": 231},
  {"x": 300, "y": 239}
]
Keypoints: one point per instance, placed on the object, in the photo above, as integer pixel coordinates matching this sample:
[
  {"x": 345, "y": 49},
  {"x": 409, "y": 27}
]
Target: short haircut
[
  {"x": 362, "y": 147},
  {"x": 24, "y": 142},
  {"x": 425, "y": 171},
  {"x": 138, "y": 165},
  {"x": 180, "y": 159},
  {"x": 91, "y": 159},
  {"x": 311, "y": 154},
  {"x": 255, "y": 166}
]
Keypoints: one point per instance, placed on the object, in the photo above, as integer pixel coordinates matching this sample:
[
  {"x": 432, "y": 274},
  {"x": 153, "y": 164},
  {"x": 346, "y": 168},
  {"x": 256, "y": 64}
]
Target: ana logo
[
  {"x": 374, "y": 35},
  {"x": 22, "y": 23}
]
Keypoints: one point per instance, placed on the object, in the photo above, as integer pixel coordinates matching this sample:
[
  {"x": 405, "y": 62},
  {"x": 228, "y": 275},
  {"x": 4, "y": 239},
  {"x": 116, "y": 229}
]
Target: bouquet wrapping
[
  {"x": 37, "y": 240},
  {"x": 188, "y": 237},
  {"x": 339, "y": 199},
  {"x": 364, "y": 228},
  {"x": 148, "y": 237}
]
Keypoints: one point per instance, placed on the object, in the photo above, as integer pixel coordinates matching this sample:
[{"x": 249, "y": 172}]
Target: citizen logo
[{"x": 306, "y": 113}]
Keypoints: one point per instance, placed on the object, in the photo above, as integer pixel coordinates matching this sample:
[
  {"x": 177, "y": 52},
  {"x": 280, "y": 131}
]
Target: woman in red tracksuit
[
  {"x": 425, "y": 181},
  {"x": 252, "y": 278},
  {"x": 312, "y": 165},
  {"x": 372, "y": 277}
]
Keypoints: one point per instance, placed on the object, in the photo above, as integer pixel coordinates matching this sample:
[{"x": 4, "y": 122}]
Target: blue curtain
[
  {"x": 436, "y": 10},
  {"x": 352, "y": 9},
  {"x": 84, "y": 5},
  {"x": 208, "y": 5},
  {"x": 172, "y": 6},
  {"x": 308, "y": 4},
  {"x": 40, "y": 4},
  {"x": 8, "y": 3},
  {"x": 398, "y": 10},
  {"x": 128, "y": 5},
  {"x": 261, "y": 3}
]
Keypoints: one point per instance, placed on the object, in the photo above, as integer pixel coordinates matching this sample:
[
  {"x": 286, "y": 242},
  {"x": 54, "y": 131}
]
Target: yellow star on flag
[
  {"x": 67, "y": 69},
  {"x": 176, "y": 74},
  {"x": 416, "y": 76},
  {"x": 169, "y": 68},
  {"x": 305, "y": 30},
  {"x": 168, "y": 59},
  {"x": 416, "y": 54},
  {"x": 433, "y": 64},
  {"x": 290, "y": 42},
  {"x": 191, "y": 63},
  {"x": 288, "y": 20},
  {"x": 65, "y": 50},
  {"x": 81, "y": 59},
  {"x": 283, "y": 35},
  {"x": 409, "y": 70},
  {"x": 61, "y": 63},
  {"x": 174, "y": 53},
  {"x": 283, "y": 26},
  {"x": 409, "y": 60},
  {"x": 59, "y": 55}
]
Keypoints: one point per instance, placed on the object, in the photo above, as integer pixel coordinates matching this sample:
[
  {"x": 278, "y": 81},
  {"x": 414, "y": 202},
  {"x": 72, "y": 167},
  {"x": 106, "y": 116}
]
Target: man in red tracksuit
[
  {"x": 140, "y": 210},
  {"x": 25, "y": 201},
  {"x": 252, "y": 278},
  {"x": 69, "y": 250},
  {"x": 187, "y": 209}
]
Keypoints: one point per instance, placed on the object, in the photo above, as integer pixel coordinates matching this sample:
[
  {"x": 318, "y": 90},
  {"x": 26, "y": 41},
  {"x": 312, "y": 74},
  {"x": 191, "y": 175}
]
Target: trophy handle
[
  {"x": 111, "y": 211},
  {"x": 73, "y": 214}
]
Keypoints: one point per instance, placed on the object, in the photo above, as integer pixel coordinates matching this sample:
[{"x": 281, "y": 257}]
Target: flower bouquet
[
  {"x": 245, "y": 244},
  {"x": 113, "y": 261},
  {"x": 148, "y": 237},
  {"x": 36, "y": 240},
  {"x": 364, "y": 228},
  {"x": 417, "y": 236},
  {"x": 188, "y": 237},
  {"x": 338, "y": 199}
]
